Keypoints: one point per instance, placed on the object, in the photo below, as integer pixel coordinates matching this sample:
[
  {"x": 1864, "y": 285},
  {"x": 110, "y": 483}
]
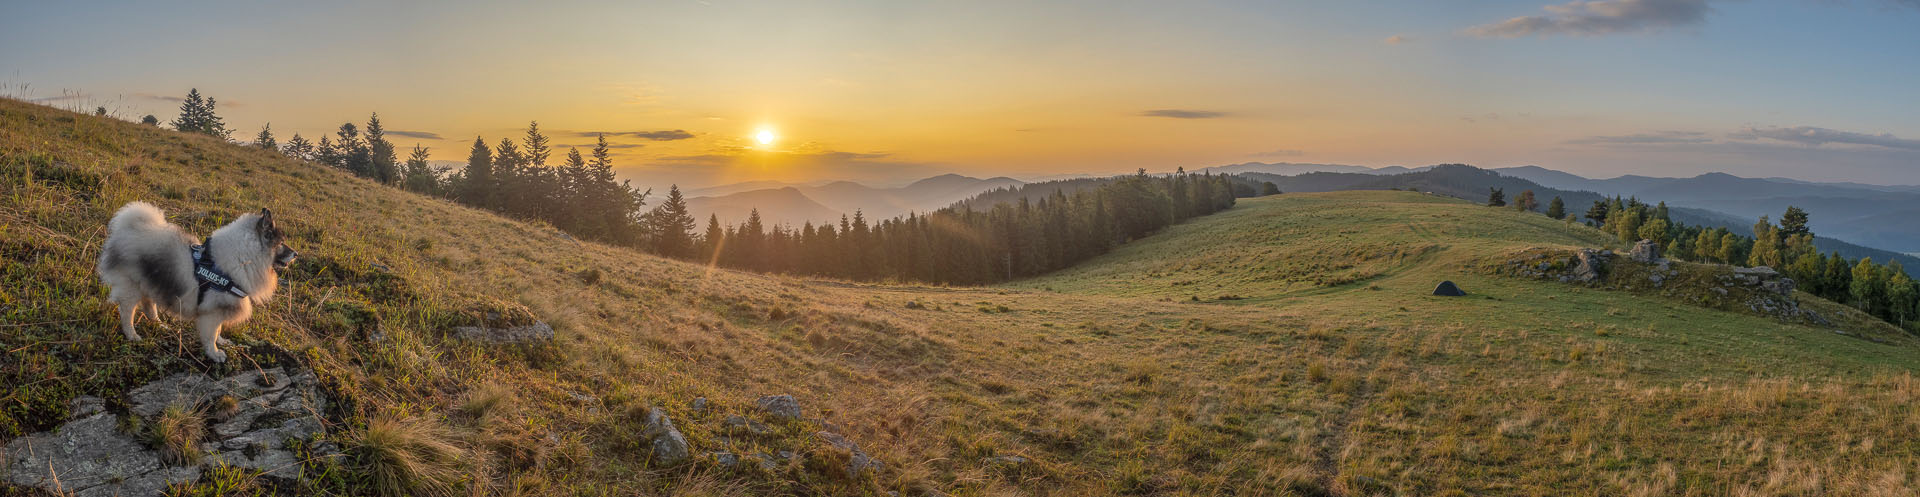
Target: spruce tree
[
  {"x": 715, "y": 238},
  {"x": 265, "y": 138},
  {"x": 419, "y": 176},
  {"x": 1496, "y": 197},
  {"x": 150, "y": 120},
  {"x": 197, "y": 116},
  {"x": 1794, "y": 222},
  {"x": 672, "y": 226},
  {"x": 381, "y": 162},
  {"x": 477, "y": 183},
  {"x": 1597, "y": 215},
  {"x": 298, "y": 148},
  {"x": 1557, "y": 208}
]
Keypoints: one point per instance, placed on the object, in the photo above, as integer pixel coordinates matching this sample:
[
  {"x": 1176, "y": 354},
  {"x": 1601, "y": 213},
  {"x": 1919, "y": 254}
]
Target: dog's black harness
[{"x": 210, "y": 276}]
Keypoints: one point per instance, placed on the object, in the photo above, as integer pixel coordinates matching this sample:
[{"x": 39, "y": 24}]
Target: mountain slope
[
  {"x": 785, "y": 205},
  {"x": 795, "y": 205},
  {"x": 1358, "y": 383},
  {"x": 1850, "y": 212}
]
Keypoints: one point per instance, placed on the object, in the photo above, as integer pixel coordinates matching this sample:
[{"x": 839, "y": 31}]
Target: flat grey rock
[
  {"x": 539, "y": 331},
  {"x": 783, "y": 406}
]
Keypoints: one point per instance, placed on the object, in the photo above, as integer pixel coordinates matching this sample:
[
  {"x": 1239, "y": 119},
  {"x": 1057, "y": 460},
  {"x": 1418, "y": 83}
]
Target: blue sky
[{"x": 886, "y": 91}]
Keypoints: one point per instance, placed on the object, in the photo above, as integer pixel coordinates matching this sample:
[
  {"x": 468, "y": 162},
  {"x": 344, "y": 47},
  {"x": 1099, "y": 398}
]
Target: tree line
[
  {"x": 1885, "y": 291},
  {"x": 1043, "y": 228},
  {"x": 995, "y": 236}
]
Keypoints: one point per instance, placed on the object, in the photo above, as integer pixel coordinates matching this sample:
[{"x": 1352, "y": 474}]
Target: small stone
[
  {"x": 783, "y": 406},
  {"x": 700, "y": 405},
  {"x": 724, "y": 459},
  {"x": 858, "y": 463},
  {"x": 669, "y": 446}
]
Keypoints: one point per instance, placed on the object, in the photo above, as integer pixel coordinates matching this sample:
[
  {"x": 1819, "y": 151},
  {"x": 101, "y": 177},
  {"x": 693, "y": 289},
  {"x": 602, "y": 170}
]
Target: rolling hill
[{"x": 1287, "y": 346}]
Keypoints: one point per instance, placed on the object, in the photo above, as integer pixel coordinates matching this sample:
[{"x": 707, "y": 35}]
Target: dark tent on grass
[{"x": 1448, "y": 289}]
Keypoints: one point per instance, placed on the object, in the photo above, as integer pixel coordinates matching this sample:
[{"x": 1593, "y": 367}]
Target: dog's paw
[
  {"x": 133, "y": 337},
  {"x": 224, "y": 342},
  {"x": 216, "y": 355}
]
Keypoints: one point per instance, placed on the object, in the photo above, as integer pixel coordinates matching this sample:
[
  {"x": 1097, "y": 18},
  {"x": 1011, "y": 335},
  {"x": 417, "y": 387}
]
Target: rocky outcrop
[
  {"x": 251, "y": 417},
  {"x": 539, "y": 331},
  {"x": 780, "y": 406},
  {"x": 1758, "y": 290},
  {"x": 1588, "y": 265},
  {"x": 91, "y": 457},
  {"x": 1645, "y": 252}
]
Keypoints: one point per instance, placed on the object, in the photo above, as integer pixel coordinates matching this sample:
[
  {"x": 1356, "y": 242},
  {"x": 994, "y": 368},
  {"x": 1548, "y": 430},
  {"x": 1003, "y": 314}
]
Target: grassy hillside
[{"x": 1330, "y": 372}]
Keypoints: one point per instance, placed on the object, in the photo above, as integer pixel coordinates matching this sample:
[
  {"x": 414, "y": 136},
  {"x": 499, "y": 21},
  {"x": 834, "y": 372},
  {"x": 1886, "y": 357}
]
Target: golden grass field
[{"x": 1328, "y": 369}]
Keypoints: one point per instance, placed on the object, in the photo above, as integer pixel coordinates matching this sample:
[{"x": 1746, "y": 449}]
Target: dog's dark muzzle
[{"x": 284, "y": 257}]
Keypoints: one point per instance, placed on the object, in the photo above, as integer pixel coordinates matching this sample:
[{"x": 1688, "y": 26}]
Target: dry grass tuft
[
  {"x": 411, "y": 456},
  {"x": 177, "y": 430}
]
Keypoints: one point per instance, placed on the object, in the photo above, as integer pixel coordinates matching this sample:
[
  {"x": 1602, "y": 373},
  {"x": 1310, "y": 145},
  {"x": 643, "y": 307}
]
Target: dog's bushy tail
[{"x": 135, "y": 215}]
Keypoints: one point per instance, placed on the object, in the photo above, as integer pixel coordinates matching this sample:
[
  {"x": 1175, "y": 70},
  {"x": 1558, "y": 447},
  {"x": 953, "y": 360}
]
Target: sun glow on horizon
[{"x": 765, "y": 136}]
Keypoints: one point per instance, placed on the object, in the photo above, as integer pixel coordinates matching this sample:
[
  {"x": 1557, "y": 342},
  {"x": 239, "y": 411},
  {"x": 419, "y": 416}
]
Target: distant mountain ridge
[
  {"x": 1471, "y": 183},
  {"x": 1873, "y": 215},
  {"x": 794, "y": 205}
]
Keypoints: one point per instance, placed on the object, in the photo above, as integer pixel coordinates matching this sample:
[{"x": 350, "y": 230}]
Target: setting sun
[{"x": 765, "y": 136}]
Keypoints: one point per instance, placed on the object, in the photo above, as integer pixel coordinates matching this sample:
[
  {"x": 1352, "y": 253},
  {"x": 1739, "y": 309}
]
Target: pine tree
[
  {"x": 1597, "y": 215},
  {"x": 477, "y": 184},
  {"x": 265, "y": 138},
  {"x": 1496, "y": 197},
  {"x": 150, "y": 120},
  {"x": 419, "y": 175},
  {"x": 714, "y": 240},
  {"x": 197, "y": 116},
  {"x": 1557, "y": 208},
  {"x": 672, "y": 226},
  {"x": 298, "y": 148},
  {"x": 1794, "y": 222},
  {"x": 381, "y": 164}
]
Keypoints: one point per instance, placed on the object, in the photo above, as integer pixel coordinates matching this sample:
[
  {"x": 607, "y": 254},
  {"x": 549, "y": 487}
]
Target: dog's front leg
[{"x": 210, "y": 337}]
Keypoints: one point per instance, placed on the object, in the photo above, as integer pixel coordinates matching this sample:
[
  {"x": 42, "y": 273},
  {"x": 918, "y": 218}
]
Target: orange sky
[{"x": 888, "y": 92}]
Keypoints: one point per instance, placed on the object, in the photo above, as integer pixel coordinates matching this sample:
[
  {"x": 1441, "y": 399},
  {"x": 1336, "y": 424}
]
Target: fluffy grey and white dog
[{"x": 150, "y": 265}]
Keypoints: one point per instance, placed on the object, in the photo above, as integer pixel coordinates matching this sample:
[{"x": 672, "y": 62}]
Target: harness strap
[{"x": 209, "y": 275}]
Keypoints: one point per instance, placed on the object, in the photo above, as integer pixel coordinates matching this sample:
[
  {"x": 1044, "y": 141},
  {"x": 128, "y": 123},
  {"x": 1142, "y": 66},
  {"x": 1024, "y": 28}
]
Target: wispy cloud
[
  {"x": 1600, "y": 17},
  {"x": 660, "y": 135},
  {"x": 162, "y": 98},
  {"x": 416, "y": 134},
  {"x": 1184, "y": 113},
  {"x": 1815, "y": 136},
  {"x": 59, "y": 98},
  {"x": 1659, "y": 137},
  {"x": 1398, "y": 39}
]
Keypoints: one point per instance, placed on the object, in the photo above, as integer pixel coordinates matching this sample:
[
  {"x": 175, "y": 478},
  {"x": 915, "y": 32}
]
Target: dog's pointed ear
[{"x": 266, "y": 219}]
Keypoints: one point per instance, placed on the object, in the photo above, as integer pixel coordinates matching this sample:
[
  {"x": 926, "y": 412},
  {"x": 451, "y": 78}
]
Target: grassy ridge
[{"x": 1332, "y": 373}]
